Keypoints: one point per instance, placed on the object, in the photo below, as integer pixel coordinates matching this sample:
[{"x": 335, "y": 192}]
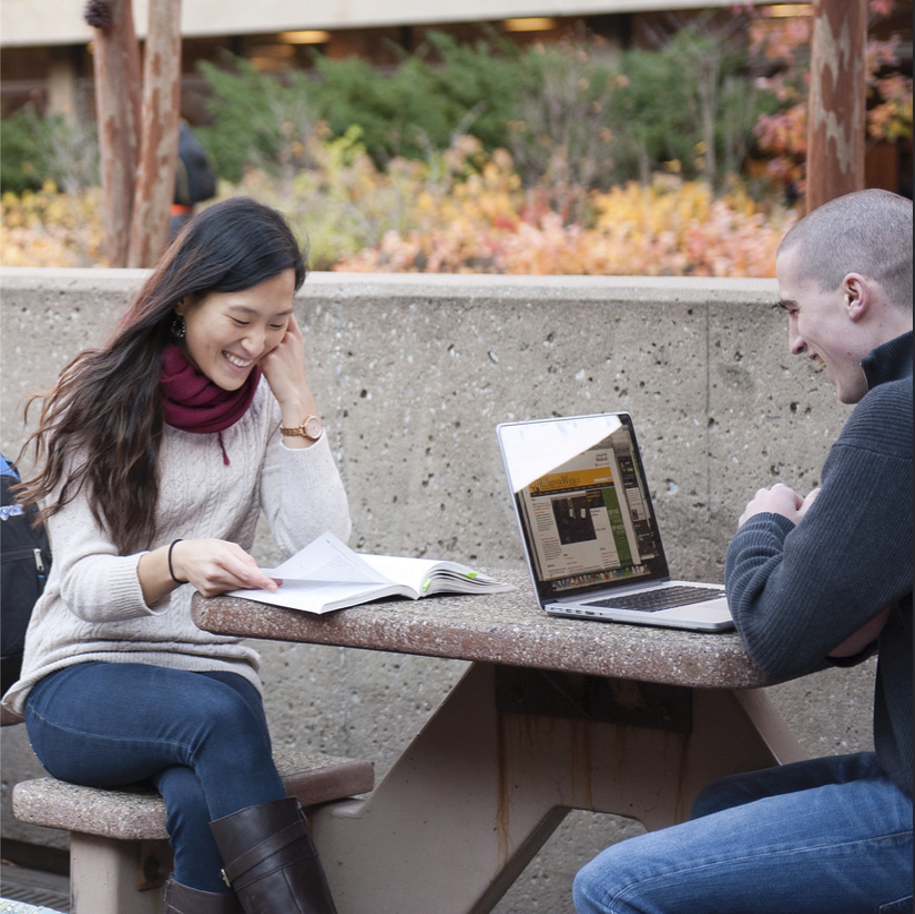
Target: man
[
  {"x": 195, "y": 178},
  {"x": 809, "y": 580}
]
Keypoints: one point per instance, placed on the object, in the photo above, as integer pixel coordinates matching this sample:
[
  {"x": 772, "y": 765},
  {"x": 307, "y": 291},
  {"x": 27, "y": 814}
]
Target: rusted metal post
[
  {"x": 116, "y": 62},
  {"x": 155, "y": 185},
  {"x": 836, "y": 121}
]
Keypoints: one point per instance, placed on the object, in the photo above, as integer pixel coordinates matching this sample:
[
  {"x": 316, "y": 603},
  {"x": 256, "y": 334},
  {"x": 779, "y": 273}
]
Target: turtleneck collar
[{"x": 889, "y": 362}]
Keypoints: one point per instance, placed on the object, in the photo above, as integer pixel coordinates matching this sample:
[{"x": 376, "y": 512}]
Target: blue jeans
[
  {"x": 828, "y": 836},
  {"x": 201, "y": 738}
]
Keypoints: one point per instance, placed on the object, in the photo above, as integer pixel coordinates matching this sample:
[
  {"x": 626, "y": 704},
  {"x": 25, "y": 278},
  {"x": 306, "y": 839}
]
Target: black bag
[
  {"x": 25, "y": 559},
  {"x": 195, "y": 178}
]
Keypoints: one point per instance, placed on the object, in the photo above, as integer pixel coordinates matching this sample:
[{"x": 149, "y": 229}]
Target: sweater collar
[{"x": 889, "y": 362}]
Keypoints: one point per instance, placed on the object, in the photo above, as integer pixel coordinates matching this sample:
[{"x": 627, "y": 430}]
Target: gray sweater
[
  {"x": 93, "y": 608},
  {"x": 797, "y": 592}
]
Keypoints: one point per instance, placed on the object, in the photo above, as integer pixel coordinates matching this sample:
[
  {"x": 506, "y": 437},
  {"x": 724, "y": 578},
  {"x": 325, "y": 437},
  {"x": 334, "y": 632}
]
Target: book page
[
  {"x": 328, "y": 575},
  {"x": 403, "y": 569},
  {"x": 433, "y": 576},
  {"x": 327, "y": 559},
  {"x": 323, "y": 576},
  {"x": 320, "y": 597}
]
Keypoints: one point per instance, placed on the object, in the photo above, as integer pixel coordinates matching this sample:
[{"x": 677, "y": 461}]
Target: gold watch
[{"x": 312, "y": 428}]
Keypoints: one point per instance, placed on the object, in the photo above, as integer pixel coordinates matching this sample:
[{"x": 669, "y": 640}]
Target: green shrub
[
  {"x": 442, "y": 90},
  {"x": 22, "y": 164},
  {"x": 690, "y": 103},
  {"x": 398, "y": 112},
  {"x": 483, "y": 82},
  {"x": 566, "y": 114},
  {"x": 560, "y": 132},
  {"x": 37, "y": 150},
  {"x": 257, "y": 120},
  {"x": 262, "y": 121}
]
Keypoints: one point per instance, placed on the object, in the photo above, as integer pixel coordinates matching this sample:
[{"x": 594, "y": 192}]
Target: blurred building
[{"x": 46, "y": 44}]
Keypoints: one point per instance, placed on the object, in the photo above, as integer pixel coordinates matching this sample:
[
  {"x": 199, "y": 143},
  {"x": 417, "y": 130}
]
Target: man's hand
[
  {"x": 808, "y": 501},
  {"x": 780, "y": 499},
  {"x": 865, "y": 636}
]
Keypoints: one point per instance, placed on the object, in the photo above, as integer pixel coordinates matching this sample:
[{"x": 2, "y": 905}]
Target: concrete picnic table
[{"x": 551, "y": 715}]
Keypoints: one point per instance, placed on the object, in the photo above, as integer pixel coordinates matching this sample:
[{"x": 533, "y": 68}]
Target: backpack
[
  {"x": 25, "y": 559},
  {"x": 195, "y": 177}
]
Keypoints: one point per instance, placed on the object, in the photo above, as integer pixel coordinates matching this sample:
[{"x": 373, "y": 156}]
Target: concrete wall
[{"x": 412, "y": 373}]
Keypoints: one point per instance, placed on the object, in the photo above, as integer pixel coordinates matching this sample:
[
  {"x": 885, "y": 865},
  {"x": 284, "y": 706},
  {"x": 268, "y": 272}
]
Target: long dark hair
[{"x": 101, "y": 425}]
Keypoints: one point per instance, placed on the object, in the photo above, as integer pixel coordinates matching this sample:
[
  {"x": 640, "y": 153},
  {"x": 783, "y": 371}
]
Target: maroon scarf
[{"x": 193, "y": 403}]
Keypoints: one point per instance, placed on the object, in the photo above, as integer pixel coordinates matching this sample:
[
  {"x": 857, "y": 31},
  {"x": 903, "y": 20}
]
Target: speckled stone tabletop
[
  {"x": 502, "y": 628},
  {"x": 20, "y": 907}
]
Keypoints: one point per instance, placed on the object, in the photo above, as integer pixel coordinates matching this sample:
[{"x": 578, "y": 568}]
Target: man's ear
[{"x": 857, "y": 296}]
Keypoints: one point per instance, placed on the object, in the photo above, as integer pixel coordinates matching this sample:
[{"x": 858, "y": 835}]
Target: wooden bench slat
[{"x": 138, "y": 814}]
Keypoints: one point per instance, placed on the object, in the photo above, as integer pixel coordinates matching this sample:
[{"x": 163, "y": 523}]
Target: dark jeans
[
  {"x": 825, "y": 836},
  {"x": 201, "y": 738}
]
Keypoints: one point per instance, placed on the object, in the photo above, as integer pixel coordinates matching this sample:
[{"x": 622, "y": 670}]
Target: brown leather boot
[
  {"x": 180, "y": 899},
  {"x": 271, "y": 861}
]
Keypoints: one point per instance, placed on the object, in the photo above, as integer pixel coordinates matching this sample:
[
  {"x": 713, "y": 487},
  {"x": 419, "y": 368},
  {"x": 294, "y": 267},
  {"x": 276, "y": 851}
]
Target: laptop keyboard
[{"x": 664, "y": 598}]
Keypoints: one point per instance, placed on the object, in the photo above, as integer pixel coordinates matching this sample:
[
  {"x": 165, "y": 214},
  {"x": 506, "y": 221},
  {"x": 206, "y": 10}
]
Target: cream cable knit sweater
[{"x": 93, "y": 608}]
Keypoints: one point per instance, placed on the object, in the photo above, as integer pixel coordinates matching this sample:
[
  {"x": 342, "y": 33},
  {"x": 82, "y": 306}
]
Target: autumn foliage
[
  {"x": 782, "y": 135},
  {"x": 463, "y": 212},
  {"x": 488, "y": 223},
  {"x": 50, "y": 229}
]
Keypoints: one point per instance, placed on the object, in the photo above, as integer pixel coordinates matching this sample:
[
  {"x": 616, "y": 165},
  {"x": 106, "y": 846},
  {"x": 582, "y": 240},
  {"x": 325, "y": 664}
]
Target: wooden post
[
  {"x": 836, "y": 122},
  {"x": 116, "y": 62},
  {"x": 155, "y": 187}
]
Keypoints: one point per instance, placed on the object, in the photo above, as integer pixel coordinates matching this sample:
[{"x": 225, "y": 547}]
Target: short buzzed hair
[{"x": 867, "y": 232}]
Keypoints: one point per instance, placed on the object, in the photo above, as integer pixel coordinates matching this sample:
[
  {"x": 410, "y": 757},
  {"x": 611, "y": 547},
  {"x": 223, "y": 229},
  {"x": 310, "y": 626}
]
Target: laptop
[{"x": 588, "y": 528}]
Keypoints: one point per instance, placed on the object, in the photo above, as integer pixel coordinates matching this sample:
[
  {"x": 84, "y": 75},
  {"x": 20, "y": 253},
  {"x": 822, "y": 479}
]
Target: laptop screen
[{"x": 582, "y": 503}]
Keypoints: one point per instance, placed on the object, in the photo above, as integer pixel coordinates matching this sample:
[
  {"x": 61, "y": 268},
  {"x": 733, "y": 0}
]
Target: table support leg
[{"x": 479, "y": 790}]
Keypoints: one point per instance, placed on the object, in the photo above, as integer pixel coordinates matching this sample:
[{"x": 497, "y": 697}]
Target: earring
[{"x": 179, "y": 328}]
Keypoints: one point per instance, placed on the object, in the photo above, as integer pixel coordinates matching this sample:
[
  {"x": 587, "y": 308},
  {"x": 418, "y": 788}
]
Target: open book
[{"x": 328, "y": 575}]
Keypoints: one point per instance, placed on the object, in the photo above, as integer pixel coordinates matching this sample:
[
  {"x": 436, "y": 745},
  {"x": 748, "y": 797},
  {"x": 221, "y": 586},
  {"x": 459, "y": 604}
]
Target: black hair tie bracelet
[{"x": 171, "y": 570}]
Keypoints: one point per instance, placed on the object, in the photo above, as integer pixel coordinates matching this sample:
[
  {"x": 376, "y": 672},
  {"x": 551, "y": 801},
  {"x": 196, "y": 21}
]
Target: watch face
[{"x": 313, "y": 427}]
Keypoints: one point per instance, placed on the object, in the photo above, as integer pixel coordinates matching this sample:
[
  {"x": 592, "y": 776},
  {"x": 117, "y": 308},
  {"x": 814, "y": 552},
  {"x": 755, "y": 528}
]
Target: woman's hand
[
  {"x": 284, "y": 369},
  {"x": 211, "y": 566}
]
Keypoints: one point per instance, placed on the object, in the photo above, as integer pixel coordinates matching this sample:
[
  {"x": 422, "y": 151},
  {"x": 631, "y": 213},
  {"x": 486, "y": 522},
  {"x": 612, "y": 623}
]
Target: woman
[{"x": 156, "y": 454}]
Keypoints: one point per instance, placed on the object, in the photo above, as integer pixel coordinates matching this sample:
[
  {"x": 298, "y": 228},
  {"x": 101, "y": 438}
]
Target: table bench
[{"x": 119, "y": 853}]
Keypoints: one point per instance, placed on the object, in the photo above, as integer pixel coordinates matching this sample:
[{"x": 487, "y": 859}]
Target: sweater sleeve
[
  {"x": 93, "y": 580},
  {"x": 797, "y": 592},
  {"x": 302, "y": 494}
]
